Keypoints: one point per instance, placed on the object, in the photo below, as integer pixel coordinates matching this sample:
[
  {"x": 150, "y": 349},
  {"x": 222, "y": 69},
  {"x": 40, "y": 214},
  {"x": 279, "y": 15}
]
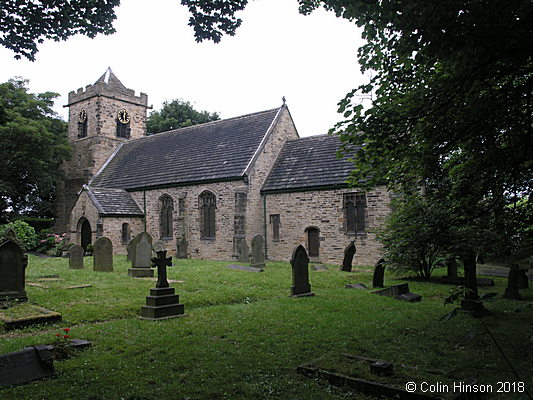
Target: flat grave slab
[
  {"x": 244, "y": 268},
  {"x": 26, "y": 365},
  {"x": 360, "y": 286},
  {"x": 399, "y": 292},
  {"x": 460, "y": 281},
  {"x": 25, "y": 314},
  {"x": 381, "y": 378}
]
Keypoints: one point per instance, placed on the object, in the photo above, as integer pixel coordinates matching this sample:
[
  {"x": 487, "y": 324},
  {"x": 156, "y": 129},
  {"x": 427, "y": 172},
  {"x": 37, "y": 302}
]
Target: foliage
[
  {"x": 25, "y": 234},
  {"x": 25, "y": 24},
  {"x": 413, "y": 235},
  {"x": 52, "y": 245},
  {"x": 61, "y": 346},
  {"x": 33, "y": 144},
  {"x": 177, "y": 114}
]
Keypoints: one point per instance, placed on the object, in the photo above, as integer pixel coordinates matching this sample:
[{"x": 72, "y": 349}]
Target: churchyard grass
[{"x": 243, "y": 335}]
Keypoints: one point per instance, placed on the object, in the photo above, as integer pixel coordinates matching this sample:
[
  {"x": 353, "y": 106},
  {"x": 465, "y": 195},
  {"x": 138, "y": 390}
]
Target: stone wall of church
[
  {"x": 283, "y": 130},
  {"x": 84, "y": 208},
  {"x": 324, "y": 210},
  {"x": 186, "y": 218}
]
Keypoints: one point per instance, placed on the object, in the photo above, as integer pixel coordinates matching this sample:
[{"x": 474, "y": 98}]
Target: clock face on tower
[
  {"x": 123, "y": 116},
  {"x": 82, "y": 116}
]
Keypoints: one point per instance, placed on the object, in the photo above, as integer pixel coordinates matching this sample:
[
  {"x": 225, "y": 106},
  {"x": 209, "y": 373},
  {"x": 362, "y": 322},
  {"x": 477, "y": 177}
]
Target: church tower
[{"x": 101, "y": 117}]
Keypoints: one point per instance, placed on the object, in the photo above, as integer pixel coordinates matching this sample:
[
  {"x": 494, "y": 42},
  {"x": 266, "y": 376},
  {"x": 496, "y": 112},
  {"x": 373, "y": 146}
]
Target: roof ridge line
[{"x": 175, "y": 131}]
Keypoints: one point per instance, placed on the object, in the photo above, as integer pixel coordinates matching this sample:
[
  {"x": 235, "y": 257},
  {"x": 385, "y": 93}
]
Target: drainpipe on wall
[
  {"x": 144, "y": 210},
  {"x": 265, "y": 224}
]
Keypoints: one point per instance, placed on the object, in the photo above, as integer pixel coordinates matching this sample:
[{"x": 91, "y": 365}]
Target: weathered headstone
[
  {"x": 13, "y": 263},
  {"x": 300, "y": 273},
  {"x": 158, "y": 246},
  {"x": 141, "y": 254},
  {"x": 257, "y": 258},
  {"x": 399, "y": 292},
  {"x": 26, "y": 365},
  {"x": 129, "y": 250},
  {"x": 523, "y": 280},
  {"x": 162, "y": 303},
  {"x": 75, "y": 257},
  {"x": 349, "y": 253},
  {"x": 243, "y": 252},
  {"x": 181, "y": 247},
  {"x": 103, "y": 254},
  {"x": 511, "y": 292},
  {"x": 451, "y": 266},
  {"x": 379, "y": 274}
]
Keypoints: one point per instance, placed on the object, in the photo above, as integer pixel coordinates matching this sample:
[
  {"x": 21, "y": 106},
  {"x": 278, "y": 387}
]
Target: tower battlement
[{"x": 108, "y": 85}]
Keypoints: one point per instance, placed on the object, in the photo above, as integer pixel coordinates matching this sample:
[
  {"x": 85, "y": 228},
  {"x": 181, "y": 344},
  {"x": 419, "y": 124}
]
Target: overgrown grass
[{"x": 243, "y": 335}]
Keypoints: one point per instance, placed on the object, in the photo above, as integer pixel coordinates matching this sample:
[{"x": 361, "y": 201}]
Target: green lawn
[{"x": 243, "y": 335}]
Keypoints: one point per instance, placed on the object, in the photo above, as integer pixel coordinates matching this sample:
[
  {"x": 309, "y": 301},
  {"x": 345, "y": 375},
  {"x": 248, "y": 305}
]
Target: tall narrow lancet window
[
  {"x": 123, "y": 123},
  {"x": 207, "y": 205},
  {"x": 126, "y": 233},
  {"x": 166, "y": 211},
  {"x": 82, "y": 123},
  {"x": 355, "y": 212}
]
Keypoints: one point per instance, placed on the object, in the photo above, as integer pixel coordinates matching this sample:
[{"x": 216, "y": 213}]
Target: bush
[
  {"x": 52, "y": 244},
  {"x": 25, "y": 234}
]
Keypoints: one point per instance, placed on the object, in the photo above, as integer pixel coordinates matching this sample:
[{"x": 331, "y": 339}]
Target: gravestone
[
  {"x": 13, "y": 263},
  {"x": 300, "y": 273},
  {"x": 523, "y": 280},
  {"x": 257, "y": 258},
  {"x": 349, "y": 253},
  {"x": 75, "y": 257},
  {"x": 129, "y": 250},
  {"x": 451, "y": 266},
  {"x": 26, "y": 365},
  {"x": 158, "y": 246},
  {"x": 243, "y": 252},
  {"x": 511, "y": 292},
  {"x": 181, "y": 247},
  {"x": 399, "y": 292},
  {"x": 162, "y": 303},
  {"x": 103, "y": 254},
  {"x": 379, "y": 274},
  {"x": 141, "y": 254}
]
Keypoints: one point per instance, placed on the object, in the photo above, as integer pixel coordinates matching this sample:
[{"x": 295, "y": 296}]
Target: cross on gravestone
[
  {"x": 300, "y": 273},
  {"x": 181, "y": 247},
  {"x": 75, "y": 257},
  {"x": 162, "y": 262},
  {"x": 257, "y": 258},
  {"x": 141, "y": 256},
  {"x": 163, "y": 302},
  {"x": 13, "y": 265},
  {"x": 103, "y": 254},
  {"x": 379, "y": 274},
  {"x": 349, "y": 253}
]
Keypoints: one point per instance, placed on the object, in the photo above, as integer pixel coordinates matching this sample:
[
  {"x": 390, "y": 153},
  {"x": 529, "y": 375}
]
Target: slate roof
[
  {"x": 214, "y": 151},
  {"x": 309, "y": 162},
  {"x": 114, "y": 202}
]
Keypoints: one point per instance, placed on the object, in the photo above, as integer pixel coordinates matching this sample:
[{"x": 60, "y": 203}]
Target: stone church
[{"x": 208, "y": 187}]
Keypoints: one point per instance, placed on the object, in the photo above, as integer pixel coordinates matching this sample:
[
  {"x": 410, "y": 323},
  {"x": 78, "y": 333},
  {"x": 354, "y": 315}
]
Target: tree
[
  {"x": 449, "y": 108},
  {"x": 33, "y": 144},
  {"x": 24, "y": 24},
  {"x": 177, "y": 114}
]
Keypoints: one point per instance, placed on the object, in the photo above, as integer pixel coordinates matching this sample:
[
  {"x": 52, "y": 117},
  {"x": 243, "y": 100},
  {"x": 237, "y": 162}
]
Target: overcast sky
[{"x": 311, "y": 60}]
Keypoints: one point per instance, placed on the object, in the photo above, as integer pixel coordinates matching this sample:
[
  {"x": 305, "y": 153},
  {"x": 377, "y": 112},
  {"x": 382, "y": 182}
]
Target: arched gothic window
[
  {"x": 166, "y": 211},
  {"x": 207, "y": 206}
]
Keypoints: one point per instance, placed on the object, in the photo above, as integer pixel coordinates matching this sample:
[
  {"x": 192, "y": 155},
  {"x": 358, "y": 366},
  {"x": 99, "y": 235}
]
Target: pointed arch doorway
[{"x": 85, "y": 233}]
